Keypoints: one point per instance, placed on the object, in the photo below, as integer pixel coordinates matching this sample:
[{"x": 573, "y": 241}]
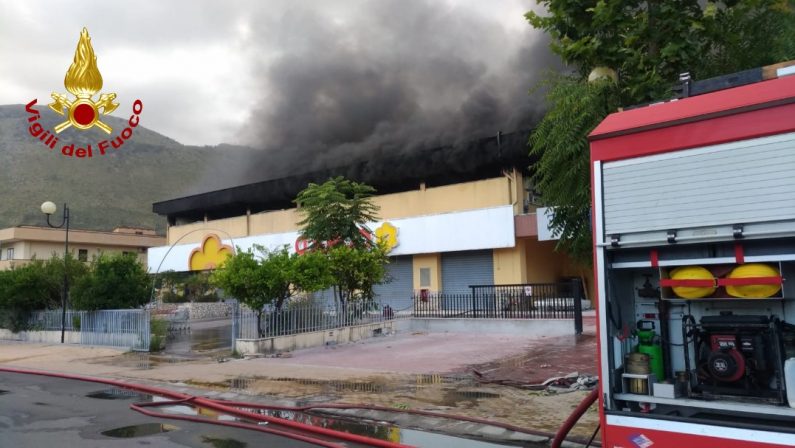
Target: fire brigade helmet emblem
[{"x": 83, "y": 80}]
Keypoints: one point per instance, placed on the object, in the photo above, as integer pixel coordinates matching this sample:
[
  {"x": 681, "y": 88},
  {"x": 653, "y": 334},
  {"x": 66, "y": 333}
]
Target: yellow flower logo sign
[
  {"x": 212, "y": 254},
  {"x": 387, "y": 234}
]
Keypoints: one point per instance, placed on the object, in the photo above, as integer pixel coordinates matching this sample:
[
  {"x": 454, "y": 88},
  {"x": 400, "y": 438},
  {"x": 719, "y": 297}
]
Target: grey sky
[{"x": 214, "y": 71}]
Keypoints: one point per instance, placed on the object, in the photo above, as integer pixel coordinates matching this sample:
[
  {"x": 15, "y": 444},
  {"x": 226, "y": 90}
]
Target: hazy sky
[{"x": 227, "y": 71}]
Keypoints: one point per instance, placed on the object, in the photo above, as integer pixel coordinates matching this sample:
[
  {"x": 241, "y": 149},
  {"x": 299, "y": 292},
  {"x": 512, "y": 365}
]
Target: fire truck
[{"x": 694, "y": 260}]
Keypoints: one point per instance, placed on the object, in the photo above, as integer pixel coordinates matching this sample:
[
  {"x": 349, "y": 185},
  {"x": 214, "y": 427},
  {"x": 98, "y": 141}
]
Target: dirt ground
[{"x": 445, "y": 372}]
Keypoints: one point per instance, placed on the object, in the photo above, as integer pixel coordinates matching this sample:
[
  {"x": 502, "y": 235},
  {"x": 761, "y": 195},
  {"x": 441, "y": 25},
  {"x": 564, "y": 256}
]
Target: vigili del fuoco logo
[{"x": 80, "y": 111}]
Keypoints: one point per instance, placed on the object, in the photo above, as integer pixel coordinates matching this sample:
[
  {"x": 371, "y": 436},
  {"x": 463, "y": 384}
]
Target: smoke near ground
[{"x": 388, "y": 78}]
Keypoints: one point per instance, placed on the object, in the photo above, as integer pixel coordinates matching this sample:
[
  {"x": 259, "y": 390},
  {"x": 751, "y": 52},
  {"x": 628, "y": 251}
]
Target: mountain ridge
[{"x": 105, "y": 191}]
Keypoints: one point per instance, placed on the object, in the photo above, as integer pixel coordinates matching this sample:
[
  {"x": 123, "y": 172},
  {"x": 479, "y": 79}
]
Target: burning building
[{"x": 461, "y": 215}]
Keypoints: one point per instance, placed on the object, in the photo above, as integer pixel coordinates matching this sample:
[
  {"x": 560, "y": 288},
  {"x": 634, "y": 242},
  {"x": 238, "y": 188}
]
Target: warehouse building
[{"x": 452, "y": 224}]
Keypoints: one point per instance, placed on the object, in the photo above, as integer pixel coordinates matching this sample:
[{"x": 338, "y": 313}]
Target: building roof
[
  {"x": 446, "y": 165},
  {"x": 79, "y": 236}
]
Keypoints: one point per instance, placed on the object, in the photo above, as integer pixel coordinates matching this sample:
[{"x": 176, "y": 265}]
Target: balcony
[{"x": 525, "y": 225}]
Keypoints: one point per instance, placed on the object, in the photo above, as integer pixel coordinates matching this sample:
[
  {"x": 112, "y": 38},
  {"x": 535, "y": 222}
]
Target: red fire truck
[{"x": 694, "y": 233}]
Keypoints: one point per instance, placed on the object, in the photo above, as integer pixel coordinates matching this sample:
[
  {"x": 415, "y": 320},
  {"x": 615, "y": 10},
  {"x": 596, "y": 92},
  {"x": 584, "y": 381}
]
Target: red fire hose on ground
[
  {"x": 563, "y": 431},
  {"x": 215, "y": 406},
  {"x": 232, "y": 408}
]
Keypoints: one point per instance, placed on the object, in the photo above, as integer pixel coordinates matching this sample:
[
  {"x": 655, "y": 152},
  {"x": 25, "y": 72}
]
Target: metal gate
[
  {"x": 462, "y": 269},
  {"x": 116, "y": 328},
  {"x": 398, "y": 289}
]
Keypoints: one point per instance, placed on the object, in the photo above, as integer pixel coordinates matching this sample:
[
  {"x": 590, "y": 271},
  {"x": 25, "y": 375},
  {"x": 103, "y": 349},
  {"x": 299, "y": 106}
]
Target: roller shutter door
[
  {"x": 397, "y": 293},
  {"x": 462, "y": 269},
  {"x": 722, "y": 185}
]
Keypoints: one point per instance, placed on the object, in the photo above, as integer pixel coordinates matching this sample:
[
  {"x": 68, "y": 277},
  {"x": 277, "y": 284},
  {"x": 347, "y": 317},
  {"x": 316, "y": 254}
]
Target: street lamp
[{"x": 48, "y": 208}]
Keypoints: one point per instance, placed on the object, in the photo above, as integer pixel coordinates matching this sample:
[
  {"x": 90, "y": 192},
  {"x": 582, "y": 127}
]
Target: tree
[
  {"x": 336, "y": 211},
  {"x": 356, "y": 270},
  {"x": 563, "y": 150},
  {"x": 28, "y": 287},
  {"x": 647, "y": 44},
  {"x": 22, "y": 290},
  {"x": 335, "y": 217},
  {"x": 38, "y": 285},
  {"x": 75, "y": 270},
  {"x": 113, "y": 282},
  {"x": 270, "y": 277},
  {"x": 240, "y": 278},
  {"x": 198, "y": 288}
]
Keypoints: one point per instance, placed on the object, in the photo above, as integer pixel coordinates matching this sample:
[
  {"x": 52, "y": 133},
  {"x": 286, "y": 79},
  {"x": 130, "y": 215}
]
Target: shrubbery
[{"x": 113, "y": 282}]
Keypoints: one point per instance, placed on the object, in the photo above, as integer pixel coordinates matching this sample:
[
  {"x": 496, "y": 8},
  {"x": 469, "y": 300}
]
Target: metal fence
[
  {"x": 309, "y": 316},
  {"x": 114, "y": 328},
  {"x": 525, "y": 301},
  {"x": 522, "y": 301}
]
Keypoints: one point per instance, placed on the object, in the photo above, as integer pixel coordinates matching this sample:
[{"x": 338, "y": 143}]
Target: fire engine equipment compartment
[{"x": 712, "y": 354}]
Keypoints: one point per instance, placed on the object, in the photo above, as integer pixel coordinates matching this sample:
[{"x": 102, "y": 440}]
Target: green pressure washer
[{"x": 649, "y": 343}]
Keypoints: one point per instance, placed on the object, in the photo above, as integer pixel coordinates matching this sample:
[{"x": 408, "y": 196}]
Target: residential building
[{"x": 19, "y": 245}]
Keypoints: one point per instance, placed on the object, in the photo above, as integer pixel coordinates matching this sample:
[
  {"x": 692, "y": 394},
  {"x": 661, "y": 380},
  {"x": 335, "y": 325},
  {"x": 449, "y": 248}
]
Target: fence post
[
  {"x": 576, "y": 287},
  {"x": 235, "y": 324},
  {"x": 474, "y": 306}
]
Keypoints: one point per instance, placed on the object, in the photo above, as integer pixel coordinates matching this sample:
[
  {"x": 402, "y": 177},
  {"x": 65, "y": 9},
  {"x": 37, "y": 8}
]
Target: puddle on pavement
[
  {"x": 242, "y": 384},
  {"x": 372, "y": 386},
  {"x": 435, "y": 390},
  {"x": 201, "y": 339},
  {"x": 143, "y": 361},
  {"x": 143, "y": 430},
  {"x": 460, "y": 394},
  {"x": 3, "y": 392},
  {"x": 223, "y": 443},
  {"x": 119, "y": 394},
  {"x": 455, "y": 397},
  {"x": 381, "y": 431}
]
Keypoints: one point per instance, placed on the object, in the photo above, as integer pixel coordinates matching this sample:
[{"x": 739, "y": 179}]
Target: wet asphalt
[{"x": 48, "y": 412}]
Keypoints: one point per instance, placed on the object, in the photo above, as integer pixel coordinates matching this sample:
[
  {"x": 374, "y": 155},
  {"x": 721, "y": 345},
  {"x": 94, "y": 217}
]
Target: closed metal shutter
[
  {"x": 398, "y": 290},
  {"x": 744, "y": 182},
  {"x": 462, "y": 269}
]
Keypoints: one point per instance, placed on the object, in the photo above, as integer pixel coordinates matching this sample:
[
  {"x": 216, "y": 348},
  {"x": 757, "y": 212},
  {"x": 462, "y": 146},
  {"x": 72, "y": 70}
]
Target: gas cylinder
[{"x": 649, "y": 343}]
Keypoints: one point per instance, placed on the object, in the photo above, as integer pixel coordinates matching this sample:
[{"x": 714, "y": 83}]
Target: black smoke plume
[{"x": 393, "y": 79}]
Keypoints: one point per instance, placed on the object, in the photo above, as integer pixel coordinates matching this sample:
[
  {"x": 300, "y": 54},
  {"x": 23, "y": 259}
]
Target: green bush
[
  {"x": 114, "y": 282},
  {"x": 15, "y": 320},
  {"x": 209, "y": 298},
  {"x": 157, "y": 329},
  {"x": 171, "y": 297}
]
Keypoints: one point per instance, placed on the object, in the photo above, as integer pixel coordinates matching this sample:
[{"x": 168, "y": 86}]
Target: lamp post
[{"x": 48, "y": 208}]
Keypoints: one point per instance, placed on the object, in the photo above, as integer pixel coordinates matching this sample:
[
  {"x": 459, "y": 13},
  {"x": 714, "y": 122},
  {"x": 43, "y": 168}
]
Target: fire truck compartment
[{"x": 715, "y": 357}]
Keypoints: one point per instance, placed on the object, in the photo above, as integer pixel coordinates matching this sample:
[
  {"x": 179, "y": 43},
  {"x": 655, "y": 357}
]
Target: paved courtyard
[{"x": 459, "y": 373}]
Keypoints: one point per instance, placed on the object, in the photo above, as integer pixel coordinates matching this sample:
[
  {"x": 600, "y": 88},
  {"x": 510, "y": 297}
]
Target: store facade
[{"x": 444, "y": 238}]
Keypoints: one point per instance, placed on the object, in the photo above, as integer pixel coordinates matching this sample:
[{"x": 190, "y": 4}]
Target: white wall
[
  {"x": 543, "y": 218},
  {"x": 486, "y": 228}
]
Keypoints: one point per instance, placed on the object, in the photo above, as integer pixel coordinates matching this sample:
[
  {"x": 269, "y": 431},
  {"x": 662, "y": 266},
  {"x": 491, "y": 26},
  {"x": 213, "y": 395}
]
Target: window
[
  {"x": 425, "y": 277},
  {"x": 10, "y": 253},
  {"x": 82, "y": 254}
]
